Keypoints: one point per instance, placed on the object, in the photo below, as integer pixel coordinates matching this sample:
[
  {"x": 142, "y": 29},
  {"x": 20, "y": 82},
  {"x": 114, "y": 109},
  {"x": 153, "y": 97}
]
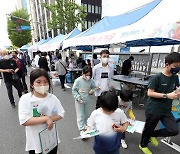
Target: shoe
[
  {"x": 13, "y": 105},
  {"x": 82, "y": 132},
  {"x": 63, "y": 89},
  {"x": 145, "y": 150},
  {"x": 124, "y": 145},
  {"x": 154, "y": 141}
]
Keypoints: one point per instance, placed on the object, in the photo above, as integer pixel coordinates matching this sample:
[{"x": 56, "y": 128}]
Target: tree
[
  {"x": 66, "y": 15},
  {"x": 16, "y": 20}
]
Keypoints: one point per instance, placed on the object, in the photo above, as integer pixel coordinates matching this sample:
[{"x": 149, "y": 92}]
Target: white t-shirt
[
  {"x": 101, "y": 76},
  {"x": 125, "y": 106},
  {"x": 103, "y": 122},
  {"x": 36, "y": 60},
  {"x": 28, "y": 105}
]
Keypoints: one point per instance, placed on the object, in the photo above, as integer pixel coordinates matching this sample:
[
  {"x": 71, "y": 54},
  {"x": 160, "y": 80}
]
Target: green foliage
[
  {"x": 66, "y": 15},
  {"x": 19, "y": 38}
]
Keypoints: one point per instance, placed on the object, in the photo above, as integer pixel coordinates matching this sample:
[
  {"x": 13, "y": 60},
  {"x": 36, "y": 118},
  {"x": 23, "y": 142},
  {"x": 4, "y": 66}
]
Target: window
[
  {"x": 92, "y": 8},
  {"x": 99, "y": 10},
  {"x": 89, "y": 8},
  {"x": 89, "y": 24},
  {"x": 96, "y": 9}
]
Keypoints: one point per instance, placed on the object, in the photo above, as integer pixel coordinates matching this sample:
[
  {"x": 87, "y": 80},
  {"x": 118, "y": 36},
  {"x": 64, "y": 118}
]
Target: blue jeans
[{"x": 116, "y": 151}]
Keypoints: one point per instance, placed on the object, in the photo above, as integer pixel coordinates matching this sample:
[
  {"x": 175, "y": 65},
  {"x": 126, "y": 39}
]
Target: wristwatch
[{"x": 165, "y": 96}]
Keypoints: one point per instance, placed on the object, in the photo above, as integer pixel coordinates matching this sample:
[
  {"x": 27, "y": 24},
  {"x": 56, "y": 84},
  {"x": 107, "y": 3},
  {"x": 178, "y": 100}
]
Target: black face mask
[{"x": 175, "y": 70}]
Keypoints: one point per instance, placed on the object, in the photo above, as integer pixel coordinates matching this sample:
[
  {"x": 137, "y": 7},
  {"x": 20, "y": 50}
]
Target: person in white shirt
[
  {"x": 108, "y": 120},
  {"x": 102, "y": 72},
  {"x": 38, "y": 110},
  {"x": 36, "y": 59},
  {"x": 125, "y": 103}
]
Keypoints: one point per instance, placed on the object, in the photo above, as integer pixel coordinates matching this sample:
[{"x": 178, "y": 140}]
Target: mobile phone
[{"x": 114, "y": 126}]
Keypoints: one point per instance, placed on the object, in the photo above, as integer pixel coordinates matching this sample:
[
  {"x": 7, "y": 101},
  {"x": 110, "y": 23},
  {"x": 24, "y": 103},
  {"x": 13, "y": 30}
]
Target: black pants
[
  {"x": 62, "y": 80},
  {"x": 123, "y": 135},
  {"x": 53, "y": 151},
  {"x": 97, "y": 103},
  {"x": 23, "y": 83},
  {"x": 171, "y": 127},
  {"x": 9, "y": 85}
]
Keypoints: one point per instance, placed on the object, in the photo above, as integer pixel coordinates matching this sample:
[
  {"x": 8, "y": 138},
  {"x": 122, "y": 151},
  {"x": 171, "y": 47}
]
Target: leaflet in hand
[{"x": 135, "y": 126}]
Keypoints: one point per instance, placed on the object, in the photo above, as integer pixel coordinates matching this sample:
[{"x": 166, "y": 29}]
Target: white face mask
[
  {"x": 41, "y": 89},
  {"x": 6, "y": 57},
  {"x": 86, "y": 77},
  {"x": 105, "y": 60}
]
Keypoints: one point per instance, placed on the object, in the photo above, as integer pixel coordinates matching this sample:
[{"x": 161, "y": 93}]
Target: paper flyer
[
  {"x": 48, "y": 139},
  {"x": 135, "y": 126},
  {"x": 89, "y": 134}
]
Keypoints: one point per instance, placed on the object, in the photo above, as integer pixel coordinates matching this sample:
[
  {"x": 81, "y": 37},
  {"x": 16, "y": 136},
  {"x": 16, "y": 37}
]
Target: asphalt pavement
[{"x": 12, "y": 135}]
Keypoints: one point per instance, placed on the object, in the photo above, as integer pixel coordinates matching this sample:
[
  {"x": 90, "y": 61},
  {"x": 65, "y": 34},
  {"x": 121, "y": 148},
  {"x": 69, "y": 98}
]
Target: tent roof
[
  {"x": 24, "y": 47},
  {"x": 113, "y": 22},
  {"x": 55, "y": 43},
  {"x": 73, "y": 33},
  {"x": 56, "y": 39},
  {"x": 157, "y": 19}
]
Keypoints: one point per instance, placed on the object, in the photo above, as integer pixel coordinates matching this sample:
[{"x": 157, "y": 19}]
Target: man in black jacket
[
  {"x": 43, "y": 63},
  {"x": 9, "y": 67}
]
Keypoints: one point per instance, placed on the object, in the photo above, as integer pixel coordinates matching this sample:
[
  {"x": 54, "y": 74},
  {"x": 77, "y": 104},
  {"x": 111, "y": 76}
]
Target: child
[
  {"x": 38, "y": 110},
  {"x": 161, "y": 92},
  {"x": 125, "y": 103},
  {"x": 110, "y": 121},
  {"x": 81, "y": 90}
]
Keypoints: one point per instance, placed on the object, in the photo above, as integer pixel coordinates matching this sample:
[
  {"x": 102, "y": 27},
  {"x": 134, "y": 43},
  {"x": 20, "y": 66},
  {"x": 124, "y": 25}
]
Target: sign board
[{"x": 25, "y": 27}]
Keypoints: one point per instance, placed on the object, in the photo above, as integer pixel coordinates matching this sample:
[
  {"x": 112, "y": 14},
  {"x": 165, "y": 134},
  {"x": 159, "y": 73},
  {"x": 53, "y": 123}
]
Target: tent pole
[
  {"x": 92, "y": 56},
  {"x": 149, "y": 49}
]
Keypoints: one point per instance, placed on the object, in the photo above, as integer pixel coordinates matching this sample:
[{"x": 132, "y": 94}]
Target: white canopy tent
[{"x": 163, "y": 21}]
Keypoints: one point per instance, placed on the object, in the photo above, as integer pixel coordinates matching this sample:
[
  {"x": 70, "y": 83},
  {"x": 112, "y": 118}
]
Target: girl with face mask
[
  {"x": 82, "y": 89},
  {"x": 38, "y": 110}
]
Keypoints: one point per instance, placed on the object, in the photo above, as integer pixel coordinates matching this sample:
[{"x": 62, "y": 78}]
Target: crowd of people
[{"x": 39, "y": 108}]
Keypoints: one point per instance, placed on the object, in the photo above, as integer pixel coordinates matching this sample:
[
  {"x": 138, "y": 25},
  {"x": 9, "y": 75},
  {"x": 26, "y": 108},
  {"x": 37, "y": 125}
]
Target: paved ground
[{"x": 12, "y": 136}]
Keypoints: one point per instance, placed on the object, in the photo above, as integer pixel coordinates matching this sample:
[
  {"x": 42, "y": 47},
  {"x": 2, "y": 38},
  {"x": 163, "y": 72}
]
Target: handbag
[
  {"x": 15, "y": 77},
  {"x": 64, "y": 67}
]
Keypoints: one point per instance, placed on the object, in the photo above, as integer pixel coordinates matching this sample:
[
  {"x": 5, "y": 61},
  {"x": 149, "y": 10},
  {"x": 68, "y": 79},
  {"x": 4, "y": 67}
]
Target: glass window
[
  {"x": 86, "y": 25},
  {"x": 96, "y": 9},
  {"x": 89, "y": 8},
  {"x": 92, "y": 8},
  {"x": 99, "y": 10},
  {"x": 89, "y": 24}
]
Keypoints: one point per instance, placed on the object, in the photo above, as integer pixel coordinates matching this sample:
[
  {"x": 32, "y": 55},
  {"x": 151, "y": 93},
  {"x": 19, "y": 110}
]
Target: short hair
[
  {"x": 94, "y": 56},
  {"x": 126, "y": 95},
  {"x": 87, "y": 69},
  {"x": 131, "y": 57},
  {"x": 36, "y": 73},
  {"x": 43, "y": 54},
  {"x": 173, "y": 57},
  {"x": 105, "y": 51},
  {"x": 59, "y": 56},
  {"x": 14, "y": 52},
  {"x": 38, "y": 52},
  {"x": 108, "y": 100}
]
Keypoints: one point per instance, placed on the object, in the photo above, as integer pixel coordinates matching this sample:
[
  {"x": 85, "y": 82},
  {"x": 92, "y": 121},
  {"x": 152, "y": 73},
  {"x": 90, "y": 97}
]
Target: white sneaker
[
  {"x": 81, "y": 132},
  {"x": 124, "y": 145}
]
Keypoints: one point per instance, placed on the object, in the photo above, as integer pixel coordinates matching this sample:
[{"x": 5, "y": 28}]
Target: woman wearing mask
[
  {"x": 102, "y": 72},
  {"x": 81, "y": 90}
]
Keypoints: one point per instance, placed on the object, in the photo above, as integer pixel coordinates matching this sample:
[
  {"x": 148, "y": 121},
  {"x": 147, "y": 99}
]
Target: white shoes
[{"x": 124, "y": 145}]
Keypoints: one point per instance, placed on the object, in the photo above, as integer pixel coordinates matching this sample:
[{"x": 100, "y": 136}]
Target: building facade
[{"x": 39, "y": 17}]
